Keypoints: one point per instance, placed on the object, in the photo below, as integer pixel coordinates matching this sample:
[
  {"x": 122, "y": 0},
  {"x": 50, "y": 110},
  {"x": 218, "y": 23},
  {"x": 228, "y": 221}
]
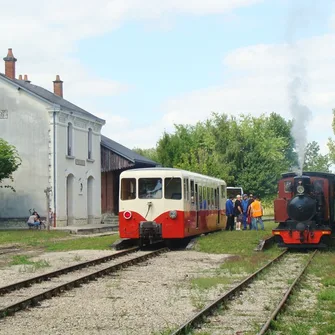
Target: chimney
[
  {"x": 58, "y": 86},
  {"x": 20, "y": 77},
  {"x": 10, "y": 64},
  {"x": 26, "y": 79}
]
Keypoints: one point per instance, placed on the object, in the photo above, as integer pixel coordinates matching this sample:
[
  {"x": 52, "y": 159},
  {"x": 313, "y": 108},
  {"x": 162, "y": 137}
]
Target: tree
[
  {"x": 9, "y": 162},
  {"x": 314, "y": 161},
  {"x": 150, "y": 153}
]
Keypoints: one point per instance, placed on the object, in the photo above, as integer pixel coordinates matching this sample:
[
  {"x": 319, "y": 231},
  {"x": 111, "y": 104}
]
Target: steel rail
[
  {"x": 34, "y": 300},
  {"x": 47, "y": 276},
  {"x": 193, "y": 321},
  {"x": 281, "y": 304}
]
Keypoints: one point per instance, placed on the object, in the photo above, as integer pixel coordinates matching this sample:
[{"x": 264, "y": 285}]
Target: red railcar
[
  {"x": 305, "y": 210},
  {"x": 162, "y": 204}
]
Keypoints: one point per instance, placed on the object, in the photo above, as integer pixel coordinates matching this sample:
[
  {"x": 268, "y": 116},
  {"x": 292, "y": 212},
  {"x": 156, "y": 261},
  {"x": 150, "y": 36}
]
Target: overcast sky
[{"x": 143, "y": 65}]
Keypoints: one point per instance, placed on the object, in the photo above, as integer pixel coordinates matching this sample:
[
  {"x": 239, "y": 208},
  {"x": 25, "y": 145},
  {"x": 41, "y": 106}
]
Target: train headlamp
[
  {"x": 173, "y": 214},
  {"x": 300, "y": 189},
  {"x": 127, "y": 215}
]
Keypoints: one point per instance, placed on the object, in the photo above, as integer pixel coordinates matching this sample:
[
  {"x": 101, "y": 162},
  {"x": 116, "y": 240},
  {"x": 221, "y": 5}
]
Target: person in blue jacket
[
  {"x": 230, "y": 213},
  {"x": 245, "y": 205}
]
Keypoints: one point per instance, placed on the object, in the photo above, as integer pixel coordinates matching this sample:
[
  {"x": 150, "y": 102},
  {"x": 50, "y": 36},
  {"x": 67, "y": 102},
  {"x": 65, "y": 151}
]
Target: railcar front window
[
  {"x": 150, "y": 188},
  {"x": 128, "y": 188},
  {"x": 172, "y": 188}
]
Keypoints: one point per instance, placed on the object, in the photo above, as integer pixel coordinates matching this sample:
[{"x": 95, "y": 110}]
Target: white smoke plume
[{"x": 300, "y": 113}]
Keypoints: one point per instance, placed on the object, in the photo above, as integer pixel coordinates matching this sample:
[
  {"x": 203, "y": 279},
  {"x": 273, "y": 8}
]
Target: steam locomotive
[{"x": 305, "y": 210}]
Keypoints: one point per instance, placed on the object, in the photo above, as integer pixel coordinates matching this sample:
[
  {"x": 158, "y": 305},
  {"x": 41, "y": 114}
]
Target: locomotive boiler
[{"x": 305, "y": 210}]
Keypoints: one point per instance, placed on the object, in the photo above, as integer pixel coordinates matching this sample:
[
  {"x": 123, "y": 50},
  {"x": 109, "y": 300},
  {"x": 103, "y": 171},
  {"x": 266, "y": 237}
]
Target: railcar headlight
[
  {"x": 127, "y": 215},
  {"x": 300, "y": 189},
  {"x": 173, "y": 214}
]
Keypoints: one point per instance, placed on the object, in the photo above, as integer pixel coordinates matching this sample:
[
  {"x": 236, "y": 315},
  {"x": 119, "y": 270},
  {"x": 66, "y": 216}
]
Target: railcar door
[{"x": 196, "y": 206}]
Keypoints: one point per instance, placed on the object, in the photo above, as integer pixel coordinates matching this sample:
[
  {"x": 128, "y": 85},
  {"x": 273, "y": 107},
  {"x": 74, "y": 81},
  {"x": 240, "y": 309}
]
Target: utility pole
[{"x": 47, "y": 192}]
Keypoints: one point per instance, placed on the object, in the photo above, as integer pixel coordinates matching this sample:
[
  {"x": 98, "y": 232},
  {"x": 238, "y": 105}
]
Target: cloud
[
  {"x": 258, "y": 82},
  {"x": 44, "y": 36}
]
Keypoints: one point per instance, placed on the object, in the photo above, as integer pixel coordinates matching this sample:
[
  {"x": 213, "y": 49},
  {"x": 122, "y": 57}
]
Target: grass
[
  {"x": 55, "y": 240},
  {"x": 28, "y": 264},
  {"x": 303, "y": 317},
  {"x": 241, "y": 259}
]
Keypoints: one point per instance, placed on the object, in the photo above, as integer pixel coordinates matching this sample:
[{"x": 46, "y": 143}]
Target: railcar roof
[
  {"x": 310, "y": 174},
  {"x": 183, "y": 172}
]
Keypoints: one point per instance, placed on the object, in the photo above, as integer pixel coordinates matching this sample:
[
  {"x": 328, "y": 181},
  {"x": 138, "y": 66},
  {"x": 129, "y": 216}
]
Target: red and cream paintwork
[{"x": 178, "y": 218}]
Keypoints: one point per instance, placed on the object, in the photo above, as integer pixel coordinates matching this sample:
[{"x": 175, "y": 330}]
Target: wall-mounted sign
[{"x": 80, "y": 162}]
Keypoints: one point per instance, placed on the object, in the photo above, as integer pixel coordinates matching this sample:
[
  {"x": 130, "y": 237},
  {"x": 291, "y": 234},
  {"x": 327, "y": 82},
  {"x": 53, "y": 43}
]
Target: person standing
[
  {"x": 245, "y": 205},
  {"x": 238, "y": 212},
  {"x": 250, "y": 201},
  {"x": 256, "y": 213},
  {"x": 230, "y": 213}
]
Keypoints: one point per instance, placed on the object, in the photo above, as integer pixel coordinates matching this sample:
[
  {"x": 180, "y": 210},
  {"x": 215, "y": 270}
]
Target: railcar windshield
[
  {"x": 128, "y": 188},
  {"x": 150, "y": 188},
  {"x": 172, "y": 188}
]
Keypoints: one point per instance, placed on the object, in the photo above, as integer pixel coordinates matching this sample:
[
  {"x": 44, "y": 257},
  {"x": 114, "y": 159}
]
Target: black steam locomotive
[{"x": 305, "y": 210}]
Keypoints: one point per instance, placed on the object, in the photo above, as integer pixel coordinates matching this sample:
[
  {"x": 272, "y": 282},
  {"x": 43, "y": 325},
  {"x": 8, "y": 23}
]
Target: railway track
[
  {"x": 247, "y": 306},
  {"x": 30, "y": 292}
]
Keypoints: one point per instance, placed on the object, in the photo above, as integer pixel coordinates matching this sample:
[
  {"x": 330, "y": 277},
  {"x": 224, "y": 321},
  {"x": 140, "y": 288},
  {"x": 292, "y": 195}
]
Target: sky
[{"x": 145, "y": 65}]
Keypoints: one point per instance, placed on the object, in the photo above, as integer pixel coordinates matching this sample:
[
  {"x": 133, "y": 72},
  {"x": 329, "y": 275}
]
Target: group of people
[{"x": 247, "y": 210}]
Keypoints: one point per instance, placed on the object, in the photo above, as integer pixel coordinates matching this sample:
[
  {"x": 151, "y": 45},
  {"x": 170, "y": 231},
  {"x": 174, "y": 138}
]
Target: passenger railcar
[
  {"x": 305, "y": 210},
  {"x": 164, "y": 204}
]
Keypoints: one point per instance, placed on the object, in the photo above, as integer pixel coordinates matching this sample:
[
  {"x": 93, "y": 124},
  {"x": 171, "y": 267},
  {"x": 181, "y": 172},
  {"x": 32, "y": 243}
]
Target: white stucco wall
[
  {"x": 30, "y": 128},
  {"x": 81, "y": 168},
  {"x": 27, "y": 128}
]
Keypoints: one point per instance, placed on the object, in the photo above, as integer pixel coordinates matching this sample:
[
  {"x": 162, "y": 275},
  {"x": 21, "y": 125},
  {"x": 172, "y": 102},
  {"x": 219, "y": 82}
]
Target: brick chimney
[
  {"x": 10, "y": 64},
  {"x": 58, "y": 86},
  {"x": 26, "y": 79}
]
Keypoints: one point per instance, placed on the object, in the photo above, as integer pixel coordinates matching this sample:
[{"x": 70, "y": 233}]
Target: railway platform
[{"x": 89, "y": 229}]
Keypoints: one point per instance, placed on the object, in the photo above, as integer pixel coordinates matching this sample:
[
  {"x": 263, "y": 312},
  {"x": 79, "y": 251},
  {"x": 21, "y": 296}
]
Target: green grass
[
  {"x": 317, "y": 318},
  {"x": 55, "y": 240},
  {"x": 204, "y": 283},
  {"x": 242, "y": 260},
  {"x": 92, "y": 243},
  {"x": 24, "y": 260},
  {"x": 30, "y": 237}
]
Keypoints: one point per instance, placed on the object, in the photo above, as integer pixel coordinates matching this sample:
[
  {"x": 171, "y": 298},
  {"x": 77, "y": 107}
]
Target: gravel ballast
[{"x": 144, "y": 299}]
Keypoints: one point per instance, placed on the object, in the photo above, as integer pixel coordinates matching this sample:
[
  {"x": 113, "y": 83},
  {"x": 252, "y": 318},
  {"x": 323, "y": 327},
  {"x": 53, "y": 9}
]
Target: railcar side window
[
  {"x": 186, "y": 194},
  {"x": 128, "y": 188},
  {"x": 287, "y": 186},
  {"x": 192, "y": 191},
  {"x": 200, "y": 197},
  {"x": 204, "y": 194},
  {"x": 172, "y": 189},
  {"x": 150, "y": 188}
]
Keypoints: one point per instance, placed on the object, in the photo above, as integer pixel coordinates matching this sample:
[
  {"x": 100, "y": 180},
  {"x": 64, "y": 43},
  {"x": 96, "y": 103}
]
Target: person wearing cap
[
  {"x": 238, "y": 212},
  {"x": 256, "y": 214},
  {"x": 245, "y": 205}
]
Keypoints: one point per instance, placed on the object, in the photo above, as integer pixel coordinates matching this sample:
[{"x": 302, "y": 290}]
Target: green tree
[
  {"x": 314, "y": 161},
  {"x": 150, "y": 153},
  {"x": 251, "y": 152},
  {"x": 9, "y": 162}
]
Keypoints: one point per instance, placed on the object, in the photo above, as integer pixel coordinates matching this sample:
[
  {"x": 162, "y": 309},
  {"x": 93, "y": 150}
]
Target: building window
[
  {"x": 69, "y": 139},
  {"x": 89, "y": 154}
]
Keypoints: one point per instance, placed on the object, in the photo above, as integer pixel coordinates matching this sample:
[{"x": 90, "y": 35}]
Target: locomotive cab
[{"x": 304, "y": 210}]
